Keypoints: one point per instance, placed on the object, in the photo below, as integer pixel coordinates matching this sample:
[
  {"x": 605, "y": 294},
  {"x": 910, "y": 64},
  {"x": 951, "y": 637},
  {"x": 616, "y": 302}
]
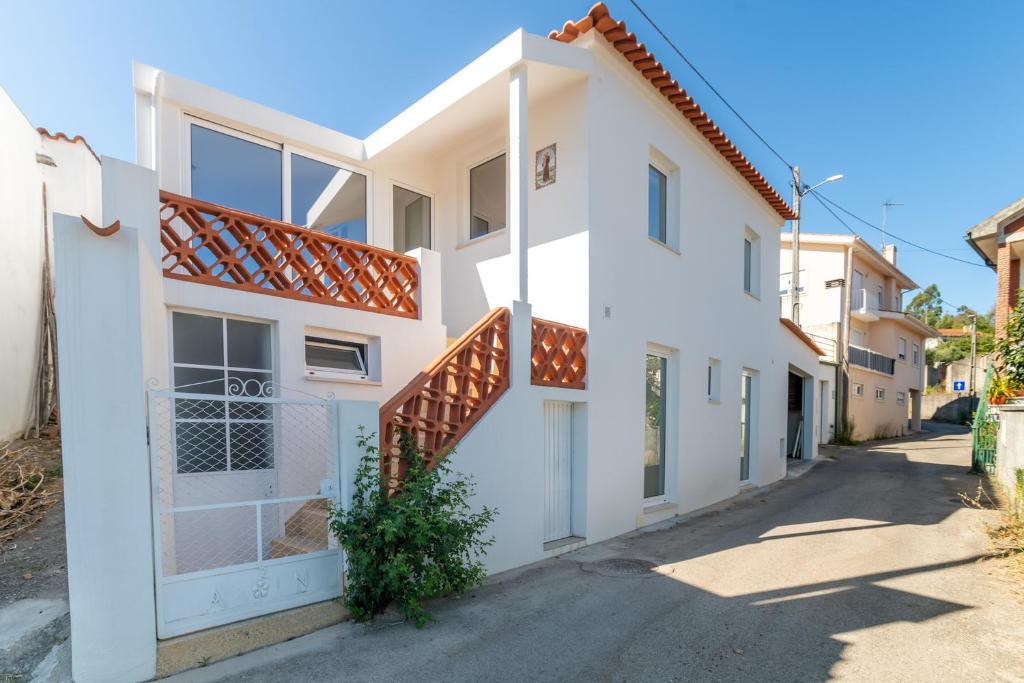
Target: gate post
[{"x": 100, "y": 336}]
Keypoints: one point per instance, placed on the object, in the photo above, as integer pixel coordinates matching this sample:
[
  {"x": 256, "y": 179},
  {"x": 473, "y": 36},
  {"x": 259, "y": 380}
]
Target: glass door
[{"x": 745, "y": 399}]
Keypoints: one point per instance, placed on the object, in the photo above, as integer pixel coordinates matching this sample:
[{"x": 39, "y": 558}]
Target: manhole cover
[{"x": 626, "y": 567}]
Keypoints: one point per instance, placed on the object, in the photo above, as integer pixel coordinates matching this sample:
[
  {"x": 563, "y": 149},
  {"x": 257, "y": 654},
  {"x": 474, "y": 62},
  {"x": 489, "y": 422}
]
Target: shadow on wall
[{"x": 955, "y": 408}]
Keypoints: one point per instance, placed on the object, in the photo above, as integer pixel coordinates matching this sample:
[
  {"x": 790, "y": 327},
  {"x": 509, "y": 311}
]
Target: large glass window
[
  {"x": 328, "y": 198},
  {"x": 654, "y": 434},
  {"x": 657, "y": 204},
  {"x": 488, "y": 197},
  {"x": 411, "y": 219},
  {"x": 746, "y": 399},
  {"x": 236, "y": 172},
  {"x": 243, "y": 172},
  {"x": 220, "y": 357}
]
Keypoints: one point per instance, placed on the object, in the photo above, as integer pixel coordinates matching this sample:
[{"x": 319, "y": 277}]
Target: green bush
[{"x": 419, "y": 542}]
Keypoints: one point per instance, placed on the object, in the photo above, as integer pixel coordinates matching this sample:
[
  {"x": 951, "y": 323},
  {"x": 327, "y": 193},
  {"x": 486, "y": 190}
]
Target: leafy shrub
[
  {"x": 844, "y": 434},
  {"x": 1010, "y": 348},
  {"x": 419, "y": 542}
]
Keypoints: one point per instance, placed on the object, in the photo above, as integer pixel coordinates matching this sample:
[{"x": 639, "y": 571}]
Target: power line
[
  {"x": 889, "y": 233},
  {"x": 708, "y": 83}
]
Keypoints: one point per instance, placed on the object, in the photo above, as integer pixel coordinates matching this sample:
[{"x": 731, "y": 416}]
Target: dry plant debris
[{"x": 24, "y": 491}]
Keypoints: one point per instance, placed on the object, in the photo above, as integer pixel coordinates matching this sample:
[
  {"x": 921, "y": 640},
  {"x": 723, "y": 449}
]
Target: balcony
[
  {"x": 866, "y": 358},
  {"x": 215, "y": 245},
  {"x": 864, "y": 307}
]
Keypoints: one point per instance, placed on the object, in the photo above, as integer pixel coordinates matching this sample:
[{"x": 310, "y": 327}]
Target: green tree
[
  {"x": 926, "y": 305},
  {"x": 1011, "y": 347}
]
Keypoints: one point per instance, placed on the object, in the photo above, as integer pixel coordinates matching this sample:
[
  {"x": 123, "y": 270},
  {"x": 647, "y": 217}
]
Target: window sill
[
  {"x": 753, "y": 296},
  {"x": 714, "y": 402},
  {"x": 483, "y": 238},
  {"x": 654, "y": 507},
  {"x": 341, "y": 379},
  {"x": 664, "y": 245}
]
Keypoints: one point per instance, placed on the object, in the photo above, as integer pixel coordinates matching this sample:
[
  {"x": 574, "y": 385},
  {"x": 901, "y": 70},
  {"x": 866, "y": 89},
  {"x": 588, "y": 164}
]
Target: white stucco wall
[{"x": 21, "y": 261}]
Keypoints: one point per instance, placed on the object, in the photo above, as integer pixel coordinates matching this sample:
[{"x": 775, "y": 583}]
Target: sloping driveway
[{"x": 867, "y": 568}]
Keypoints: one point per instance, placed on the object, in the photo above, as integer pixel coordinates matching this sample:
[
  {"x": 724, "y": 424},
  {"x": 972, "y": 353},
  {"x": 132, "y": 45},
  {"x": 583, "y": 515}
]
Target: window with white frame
[
  {"x": 336, "y": 358},
  {"x": 655, "y": 426},
  {"x": 657, "y": 204},
  {"x": 410, "y": 219},
  {"x": 879, "y": 393},
  {"x": 916, "y": 354},
  {"x": 488, "y": 197},
  {"x": 242, "y": 171},
  {"x": 714, "y": 379},
  {"x": 747, "y": 398},
  {"x": 901, "y": 397},
  {"x": 858, "y": 390},
  {"x": 751, "y": 263},
  {"x": 901, "y": 348},
  {"x": 220, "y": 357}
]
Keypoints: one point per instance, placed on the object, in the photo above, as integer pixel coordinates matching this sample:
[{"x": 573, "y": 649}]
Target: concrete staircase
[{"x": 304, "y": 532}]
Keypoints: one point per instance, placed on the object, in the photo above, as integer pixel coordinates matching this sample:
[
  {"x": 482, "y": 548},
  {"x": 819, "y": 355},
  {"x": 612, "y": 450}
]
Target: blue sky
[{"x": 913, "y": 102}]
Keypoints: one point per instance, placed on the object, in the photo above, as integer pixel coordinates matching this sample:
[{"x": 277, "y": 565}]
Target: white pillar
[
  {"x": 518, "y": 182},
  {"x": 106, "y": 462}
]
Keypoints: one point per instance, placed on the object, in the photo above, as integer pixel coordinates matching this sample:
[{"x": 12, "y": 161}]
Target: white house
[
  {"x": 553, "y": 261},
  {"x": 851, "y": 304}
]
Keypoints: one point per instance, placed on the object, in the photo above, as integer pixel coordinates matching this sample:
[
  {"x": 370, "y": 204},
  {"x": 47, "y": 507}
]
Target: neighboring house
[
  {"x": 604, "y": 255},
  {"x": 946, "y": 334},
  {"x": 999, "y": 241},
  {"x": 40, "y": 174},
  {"x": 851, "y": 296}
]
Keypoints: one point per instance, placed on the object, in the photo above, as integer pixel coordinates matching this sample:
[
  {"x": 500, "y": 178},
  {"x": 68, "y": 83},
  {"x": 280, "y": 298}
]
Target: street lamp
[{"x": 794, "y": 280}]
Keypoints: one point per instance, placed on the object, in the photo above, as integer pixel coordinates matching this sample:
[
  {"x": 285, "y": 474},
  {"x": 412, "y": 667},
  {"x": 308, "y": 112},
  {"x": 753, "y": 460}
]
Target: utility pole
[
  {"x": 794, "y": 280},
  {"x": 974, "y": 354}
]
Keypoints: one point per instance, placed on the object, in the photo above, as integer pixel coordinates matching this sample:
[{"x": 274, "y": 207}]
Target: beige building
[{"x": 850, "y": 301}]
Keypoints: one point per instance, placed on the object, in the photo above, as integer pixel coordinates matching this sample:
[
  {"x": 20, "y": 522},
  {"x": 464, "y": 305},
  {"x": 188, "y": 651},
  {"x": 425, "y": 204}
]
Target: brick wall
[{"x": 1007, "y": 284}]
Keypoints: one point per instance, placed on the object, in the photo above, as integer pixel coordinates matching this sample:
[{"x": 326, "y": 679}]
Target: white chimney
[{"x": 889, "y": 253}]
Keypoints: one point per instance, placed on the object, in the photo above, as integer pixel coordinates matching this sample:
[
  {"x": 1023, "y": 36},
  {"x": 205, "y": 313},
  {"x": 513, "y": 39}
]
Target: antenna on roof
[{"x": 886, "y": 205}]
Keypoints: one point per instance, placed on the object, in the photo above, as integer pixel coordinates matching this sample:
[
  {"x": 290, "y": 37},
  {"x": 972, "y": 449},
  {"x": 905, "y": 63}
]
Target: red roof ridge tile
[
  {"x": 636, "y": 53},
  {"x": 801, "y": 335},
  {"x": 66, "y": 138}
]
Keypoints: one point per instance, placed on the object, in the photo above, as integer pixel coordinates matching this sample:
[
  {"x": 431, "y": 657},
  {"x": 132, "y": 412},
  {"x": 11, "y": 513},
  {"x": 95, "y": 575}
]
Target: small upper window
[
  {"x": 714, "y": 379},
  {"x": 902, "y": 348},
  {"x": 657, "y": 204},
  {"x": 335, "y": 356},
  {"x": 751, "y": 263},
  {"x": 879, "y": 394},
  {"x": 410, "y": 219},
  {"x": 916, "y": 354},
  {"x": 858, "y": 390},
  {"x": 901, "y": 397},
  {"x": 487, "y": 197}
]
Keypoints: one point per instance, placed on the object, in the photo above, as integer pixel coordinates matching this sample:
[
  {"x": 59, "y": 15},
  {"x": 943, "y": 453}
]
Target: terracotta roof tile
[
  {"x": 801, "y": 335},
  {"x": 615, "y": 32},
  {"x": 63, "y": 136}
]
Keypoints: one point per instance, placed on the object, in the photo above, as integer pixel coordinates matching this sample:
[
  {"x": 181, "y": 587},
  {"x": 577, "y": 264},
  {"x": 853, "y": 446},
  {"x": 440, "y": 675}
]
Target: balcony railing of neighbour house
[
  {"x": 864, "y": 301},
  {"x": 866, "y": 358},
  {"x": 219, "y": 246}
]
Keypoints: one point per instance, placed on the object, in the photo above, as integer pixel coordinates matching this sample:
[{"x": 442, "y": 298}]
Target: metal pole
[
  {"x": 974, "y": 353},
  {"x": 794, "y": 280}
]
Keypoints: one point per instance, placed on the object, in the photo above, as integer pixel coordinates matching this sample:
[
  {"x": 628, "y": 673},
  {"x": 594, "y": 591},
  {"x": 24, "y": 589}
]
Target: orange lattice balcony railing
[
  {"x": 558, "y": 355},
  {"x": 219, "y": 246},
  {"x": 449, "y": 396}
]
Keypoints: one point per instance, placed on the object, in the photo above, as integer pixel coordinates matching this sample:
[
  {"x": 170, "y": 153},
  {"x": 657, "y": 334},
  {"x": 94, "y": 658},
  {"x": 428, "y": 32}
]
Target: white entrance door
[{"x": 557, "y": 470}]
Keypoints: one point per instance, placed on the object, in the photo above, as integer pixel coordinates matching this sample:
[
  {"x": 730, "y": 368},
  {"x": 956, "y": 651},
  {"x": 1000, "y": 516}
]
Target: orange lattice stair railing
[
  {"x": 449, "y": 396},
  {"x": 558, "y": 355},
  {"x": 215, "y": 245}
]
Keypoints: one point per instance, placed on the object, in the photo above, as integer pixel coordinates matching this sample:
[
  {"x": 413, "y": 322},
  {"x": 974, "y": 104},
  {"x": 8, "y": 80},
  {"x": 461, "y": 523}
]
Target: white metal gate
[
  {"x": 240, "y": 487},
  {"x": 557, "y": 470}
]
